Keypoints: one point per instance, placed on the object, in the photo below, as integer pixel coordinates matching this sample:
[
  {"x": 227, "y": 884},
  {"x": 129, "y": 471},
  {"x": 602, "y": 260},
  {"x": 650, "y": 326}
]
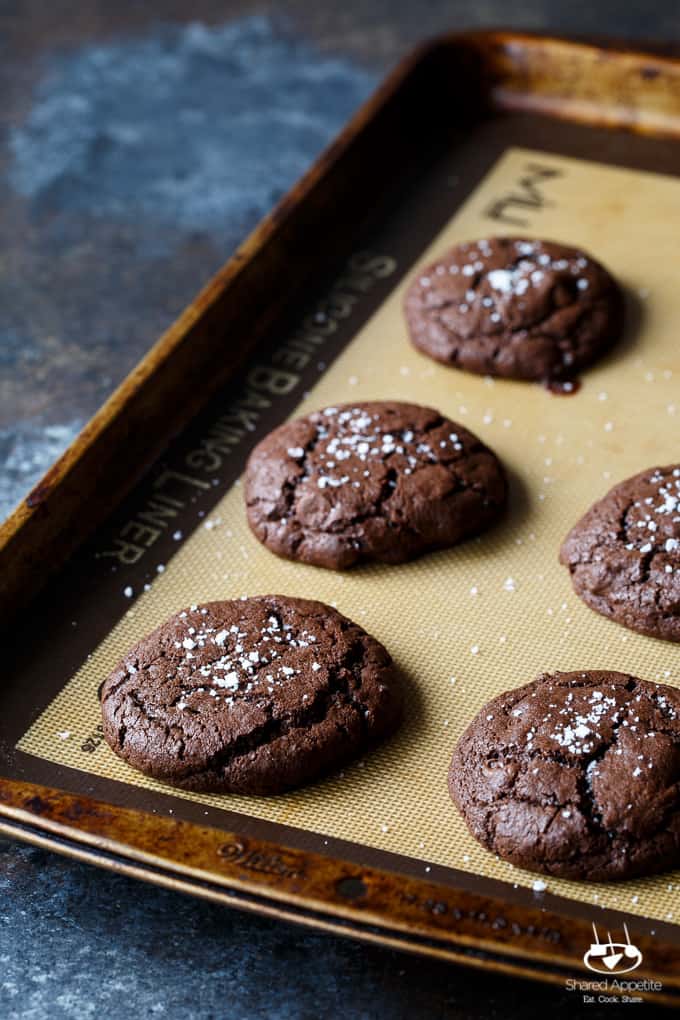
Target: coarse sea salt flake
[
  {"x": 228, "y": 680},
  {"x": 502, "y": 280}
]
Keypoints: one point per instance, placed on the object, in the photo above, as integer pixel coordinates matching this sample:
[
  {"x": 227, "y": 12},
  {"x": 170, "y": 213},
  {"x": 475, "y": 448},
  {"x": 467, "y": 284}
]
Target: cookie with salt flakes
[
  {"x": 575, "y": 775},
  {"x": 378, "y": 480},
  {"x": 515, "y": 308},
  {"x": 253, "y": 696},
  {"x": 624, "y": 553}
]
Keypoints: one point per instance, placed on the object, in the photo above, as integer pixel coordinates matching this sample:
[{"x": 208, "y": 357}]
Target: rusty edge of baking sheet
[
  {"x": 330, "y": 894},
  {"x": 338, "y": 897},
  {"x": 433, "y": 912}
]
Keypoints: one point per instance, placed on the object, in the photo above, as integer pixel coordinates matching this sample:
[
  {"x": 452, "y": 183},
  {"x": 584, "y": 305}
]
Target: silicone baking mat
[{"x": 491, "y": 614}]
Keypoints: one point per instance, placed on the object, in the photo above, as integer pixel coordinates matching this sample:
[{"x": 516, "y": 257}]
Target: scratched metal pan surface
[{"x": 554, "y": 138}]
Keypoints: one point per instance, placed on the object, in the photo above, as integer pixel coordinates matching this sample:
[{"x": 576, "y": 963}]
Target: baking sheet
[{"x": 470, "y": 622}]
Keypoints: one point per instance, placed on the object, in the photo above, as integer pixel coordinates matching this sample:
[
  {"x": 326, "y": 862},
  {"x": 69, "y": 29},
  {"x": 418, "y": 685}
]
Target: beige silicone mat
[{"x": 471, "y": 622}]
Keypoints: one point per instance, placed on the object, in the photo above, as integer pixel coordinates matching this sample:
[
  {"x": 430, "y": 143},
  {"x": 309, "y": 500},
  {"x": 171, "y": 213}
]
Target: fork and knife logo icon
[{"x": 612, "y": 957}]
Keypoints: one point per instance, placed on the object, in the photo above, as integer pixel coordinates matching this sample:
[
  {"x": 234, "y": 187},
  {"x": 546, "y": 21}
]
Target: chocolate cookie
[
  {"x": 522, "y": 309},
  {"x": 577, "y": 775},
  {"x": 373, "y": 481},
  {"x": 624, "y": 554},
  {"x": 253, "y": 696}
]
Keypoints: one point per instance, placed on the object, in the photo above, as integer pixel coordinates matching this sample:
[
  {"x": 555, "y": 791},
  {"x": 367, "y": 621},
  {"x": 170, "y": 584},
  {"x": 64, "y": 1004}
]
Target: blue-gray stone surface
[{"x": 137, "y": 166}]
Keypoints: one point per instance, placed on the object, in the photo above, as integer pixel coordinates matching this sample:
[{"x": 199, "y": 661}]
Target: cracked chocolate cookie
[
  {"x": 373, "y": 481},
  {"x": 575, "y": 775},
  {"x": 522, "y": 309},
  {"x": 624, "y": 554},
  {"x": 253, "y": 696}
]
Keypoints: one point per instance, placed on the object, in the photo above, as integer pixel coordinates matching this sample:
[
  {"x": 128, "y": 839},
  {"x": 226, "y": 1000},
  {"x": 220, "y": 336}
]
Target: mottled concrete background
[
  {"x": 138, "y": 143},
  {"x": 135, "y": 169}
]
